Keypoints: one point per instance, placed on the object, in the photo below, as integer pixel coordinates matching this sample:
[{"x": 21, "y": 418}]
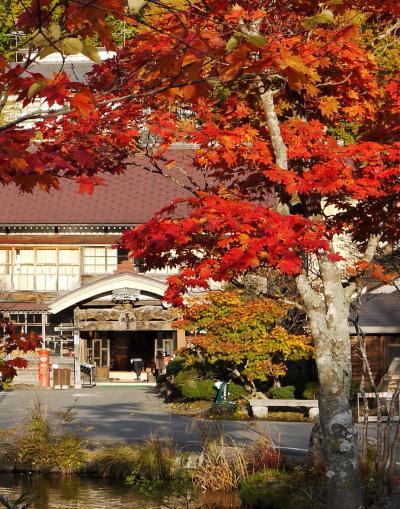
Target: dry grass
[
  {"x": 156, "y": 460},
  {"x": 225, "y": 463},
  {"x": 116, "y": 462},
  {"x": 222, "y": 468}
]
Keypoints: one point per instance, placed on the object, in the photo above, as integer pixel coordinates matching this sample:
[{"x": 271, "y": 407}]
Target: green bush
[
  {"x": 161, "y": 378},
  {"x": 175, "y": 366},
  {"x": 274, "y": 489},
  {"x": 311, "y": 390},
  {"x": 236, "y": 391},
  {"x": 185, "y": 376},
  {"x": 281, "y": 392},
  {"x": 42, "y": 447},
  {"x": 116, "y": 462},
  {"x": 265, "y": 490},
  {"x": 200, "y": 388}
]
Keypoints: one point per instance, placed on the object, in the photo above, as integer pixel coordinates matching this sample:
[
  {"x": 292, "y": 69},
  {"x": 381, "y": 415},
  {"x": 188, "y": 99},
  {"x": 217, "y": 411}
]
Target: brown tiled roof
[{"x": 130, "y": 198}]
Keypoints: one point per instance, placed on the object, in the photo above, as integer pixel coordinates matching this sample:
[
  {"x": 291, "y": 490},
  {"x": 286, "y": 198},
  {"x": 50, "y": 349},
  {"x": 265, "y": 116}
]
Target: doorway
[{"x": 125, "y": 346}]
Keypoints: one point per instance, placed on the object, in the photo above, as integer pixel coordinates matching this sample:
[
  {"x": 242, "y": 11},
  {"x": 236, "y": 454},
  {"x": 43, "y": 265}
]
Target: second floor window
[
  {"x": 99, "y": 260},
  {"x": 39, "y": 269}
]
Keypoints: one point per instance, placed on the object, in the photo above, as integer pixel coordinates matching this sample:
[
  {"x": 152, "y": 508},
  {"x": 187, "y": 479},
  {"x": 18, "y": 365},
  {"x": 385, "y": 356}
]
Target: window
[
  {"x": 68, "y": 269},
  {"x": 62, "y": 346},
  {"x": 5, "y": 269},
  {"x": 29, "y": 322},
  {"x": 37, "y": 269},
  {"x": 24, "y": 269},
  {"x": 99, "y": 260}
]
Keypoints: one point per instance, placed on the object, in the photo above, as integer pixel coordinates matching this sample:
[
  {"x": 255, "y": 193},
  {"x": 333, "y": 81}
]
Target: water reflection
[{"x": 91, "y": 493}]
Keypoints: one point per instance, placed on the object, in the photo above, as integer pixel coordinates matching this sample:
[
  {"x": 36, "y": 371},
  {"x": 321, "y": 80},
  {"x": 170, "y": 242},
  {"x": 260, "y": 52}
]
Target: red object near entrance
[{"x": 44, "y": 368}]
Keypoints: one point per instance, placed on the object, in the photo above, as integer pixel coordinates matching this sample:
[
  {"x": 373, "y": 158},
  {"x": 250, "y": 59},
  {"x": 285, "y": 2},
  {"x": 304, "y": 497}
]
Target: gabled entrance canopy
[{"x": 150, "y": 287}]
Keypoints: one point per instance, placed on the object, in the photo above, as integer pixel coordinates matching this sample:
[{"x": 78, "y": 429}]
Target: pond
[{"x": 56, "y": 492}]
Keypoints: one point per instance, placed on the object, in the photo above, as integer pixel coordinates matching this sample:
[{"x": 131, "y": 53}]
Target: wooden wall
[{"x": 376, "y": 346}]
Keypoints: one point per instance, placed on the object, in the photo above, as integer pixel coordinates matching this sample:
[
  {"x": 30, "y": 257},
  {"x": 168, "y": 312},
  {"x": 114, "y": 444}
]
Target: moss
[{"x": 275, "y": 489}]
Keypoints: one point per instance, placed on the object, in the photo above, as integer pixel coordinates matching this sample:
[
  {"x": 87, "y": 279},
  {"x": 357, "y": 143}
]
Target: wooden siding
[{"x": 377, "y": 346}]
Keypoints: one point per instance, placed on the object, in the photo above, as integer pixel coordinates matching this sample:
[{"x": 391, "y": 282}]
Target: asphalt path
[{"x": 131, "y": 414}]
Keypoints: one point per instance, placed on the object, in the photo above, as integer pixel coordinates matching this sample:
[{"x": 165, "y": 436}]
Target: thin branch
[
  {"x": 40, "y": 115},
  {"x": 334, "y": 83},
  {"x": 369, "y": 254}
]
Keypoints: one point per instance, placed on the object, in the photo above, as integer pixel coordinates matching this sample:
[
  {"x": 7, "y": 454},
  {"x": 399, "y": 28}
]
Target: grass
[{"x": 116, "y": 462}]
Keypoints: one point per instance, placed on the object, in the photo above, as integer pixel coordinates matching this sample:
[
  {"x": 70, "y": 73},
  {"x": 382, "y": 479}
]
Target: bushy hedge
[
  {"x": 311, "y": 390},
  {"x": 236, "y": 391},
  {"x": 200, "y": 388},
  {"x": 281, "y": 392},
  {"x": 175, "y": 366},
  {"x": 184, "y": 376}
]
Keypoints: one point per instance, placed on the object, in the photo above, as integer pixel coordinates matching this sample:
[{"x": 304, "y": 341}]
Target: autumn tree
[
  {"x": 13, "y": 344},
  {"x": 292, "y": 124},
  {"x": 245, "y": 337}
]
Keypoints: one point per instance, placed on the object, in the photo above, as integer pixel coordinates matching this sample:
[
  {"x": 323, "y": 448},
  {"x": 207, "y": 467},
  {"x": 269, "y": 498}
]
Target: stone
[
  {"x": 313, "y": 413},
  {"x": 260, "y": 411}
]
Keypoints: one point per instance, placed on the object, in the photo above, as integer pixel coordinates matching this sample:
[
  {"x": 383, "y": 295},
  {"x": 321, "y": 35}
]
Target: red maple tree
[
  {"x": 13, "y": 344},
  {"x": 294, "y": 134}
]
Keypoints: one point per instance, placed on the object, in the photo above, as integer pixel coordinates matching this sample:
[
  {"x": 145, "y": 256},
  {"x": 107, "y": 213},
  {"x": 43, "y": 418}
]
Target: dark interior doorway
[{"x": 129, "y": 345}]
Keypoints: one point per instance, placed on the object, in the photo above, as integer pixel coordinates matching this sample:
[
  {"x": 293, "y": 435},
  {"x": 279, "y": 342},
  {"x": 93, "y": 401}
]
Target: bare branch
[{"x": 369, "y": 253}]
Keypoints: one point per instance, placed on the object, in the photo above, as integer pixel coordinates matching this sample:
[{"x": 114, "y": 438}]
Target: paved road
[{"x": 128, "y": 414}]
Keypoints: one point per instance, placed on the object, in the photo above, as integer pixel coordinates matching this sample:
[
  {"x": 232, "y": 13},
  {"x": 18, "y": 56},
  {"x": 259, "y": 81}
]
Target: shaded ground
[{"x": 129, "y": 414}]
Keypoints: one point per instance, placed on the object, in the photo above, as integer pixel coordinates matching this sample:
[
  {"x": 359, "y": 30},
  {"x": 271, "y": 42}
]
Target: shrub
[
  {"x": 262, "y": 489},
  {"x": 236, "y": 391},
  {"x": 43, "y": 448},
  {"x": 156, "y": 460},
  {"x": 175, "y": 366},
  {"x": 161, "y": 378},
  {"x": 201, "y": 388},
  {"x": 281, "y": 392},
  {"x": 70, "y": 456},
  {"x": 185, "y": 376},
  {"x": 116, "y": 462},
  {"x": 274, "y": 489},
  {"x": 311, "y": 390}
]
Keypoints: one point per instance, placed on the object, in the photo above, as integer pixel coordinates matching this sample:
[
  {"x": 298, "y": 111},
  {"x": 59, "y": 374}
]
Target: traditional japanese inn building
[{"x": 61, "y": 278}]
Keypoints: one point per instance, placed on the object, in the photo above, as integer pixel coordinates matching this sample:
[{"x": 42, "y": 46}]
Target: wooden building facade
[{"x": 61, "y": 277}]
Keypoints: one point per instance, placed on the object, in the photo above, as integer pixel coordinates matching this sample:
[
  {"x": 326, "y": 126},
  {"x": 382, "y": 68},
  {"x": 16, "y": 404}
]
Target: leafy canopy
[
  {"x": 245, "y": 336},
  {"x": 261, "y": 91}
]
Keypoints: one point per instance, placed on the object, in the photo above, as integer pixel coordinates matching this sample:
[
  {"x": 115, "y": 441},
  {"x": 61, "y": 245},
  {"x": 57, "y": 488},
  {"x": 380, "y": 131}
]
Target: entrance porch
[{"x": 113, "y": 352}]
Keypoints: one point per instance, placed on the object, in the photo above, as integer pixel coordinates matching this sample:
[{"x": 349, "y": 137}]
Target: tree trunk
[{"x": 328, "y": 312}]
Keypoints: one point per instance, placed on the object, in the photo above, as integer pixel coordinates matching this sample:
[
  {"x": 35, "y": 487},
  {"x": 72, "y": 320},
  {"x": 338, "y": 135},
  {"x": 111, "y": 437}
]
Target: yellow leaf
[
  {"x": 71, "y": 46},
  {"x": 35, "y": 88},
  {"x": 328, "y": 105},
  {"x": 55, "y": 31},
  {"x": 92, "y": 53},
  {"x": 47, "y": 51},
  {"x": 135, "y": 6}
]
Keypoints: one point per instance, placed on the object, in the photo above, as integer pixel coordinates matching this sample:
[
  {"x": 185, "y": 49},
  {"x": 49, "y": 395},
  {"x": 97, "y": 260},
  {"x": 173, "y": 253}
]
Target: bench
[{"x": 260, "y": 407}]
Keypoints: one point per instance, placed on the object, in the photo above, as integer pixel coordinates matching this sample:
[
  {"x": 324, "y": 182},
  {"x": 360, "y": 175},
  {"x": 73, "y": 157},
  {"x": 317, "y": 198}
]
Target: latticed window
[
  {"x": 38, "y": 269},
  {"x": 99, "y": 260}
]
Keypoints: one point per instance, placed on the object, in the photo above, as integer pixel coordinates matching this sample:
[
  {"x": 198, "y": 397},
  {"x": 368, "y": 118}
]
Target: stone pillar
[
  {"x": 180, "y": 339},
  {"x": 77, "y": 360}
]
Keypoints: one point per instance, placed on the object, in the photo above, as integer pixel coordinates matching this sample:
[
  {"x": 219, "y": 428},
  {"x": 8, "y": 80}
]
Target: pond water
[{"x": 66, "y": 492}]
